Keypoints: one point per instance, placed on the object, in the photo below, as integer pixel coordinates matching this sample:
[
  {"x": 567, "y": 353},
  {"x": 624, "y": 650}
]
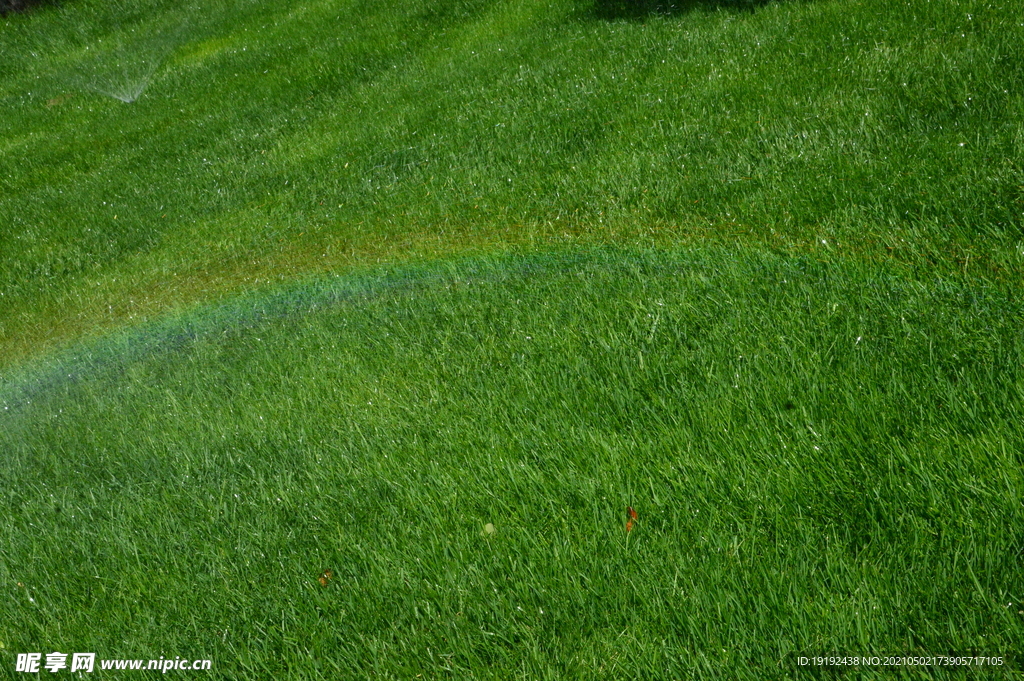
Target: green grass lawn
[{"x": 344, "y": 285}]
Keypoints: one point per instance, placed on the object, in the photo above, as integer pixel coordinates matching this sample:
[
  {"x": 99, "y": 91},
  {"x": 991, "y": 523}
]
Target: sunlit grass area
[
  {"x": 329, "y": 129},
  {"x": 337, "y": 337}
]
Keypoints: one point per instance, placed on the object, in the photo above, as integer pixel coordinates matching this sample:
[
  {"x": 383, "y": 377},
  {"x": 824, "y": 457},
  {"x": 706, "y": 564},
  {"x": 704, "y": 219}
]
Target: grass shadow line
[
  {"x": 13, "y": 6},
  {"x": 640, "y": 10}
]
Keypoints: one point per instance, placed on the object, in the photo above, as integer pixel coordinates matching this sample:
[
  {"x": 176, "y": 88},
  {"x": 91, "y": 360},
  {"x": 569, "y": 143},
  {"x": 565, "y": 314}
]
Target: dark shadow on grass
[
  {"x": 11, "y": 6},
  {"x": 638, "y": 10}
]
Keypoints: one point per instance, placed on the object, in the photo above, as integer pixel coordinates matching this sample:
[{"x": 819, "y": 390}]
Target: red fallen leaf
[
  {"x": 325, "y": 577},
  {"x": 632, "y": 513},
  {"x": 58, "y": 100},
  {"x": 629, "y": 525},
  {"x": 632, "y": 517}
]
